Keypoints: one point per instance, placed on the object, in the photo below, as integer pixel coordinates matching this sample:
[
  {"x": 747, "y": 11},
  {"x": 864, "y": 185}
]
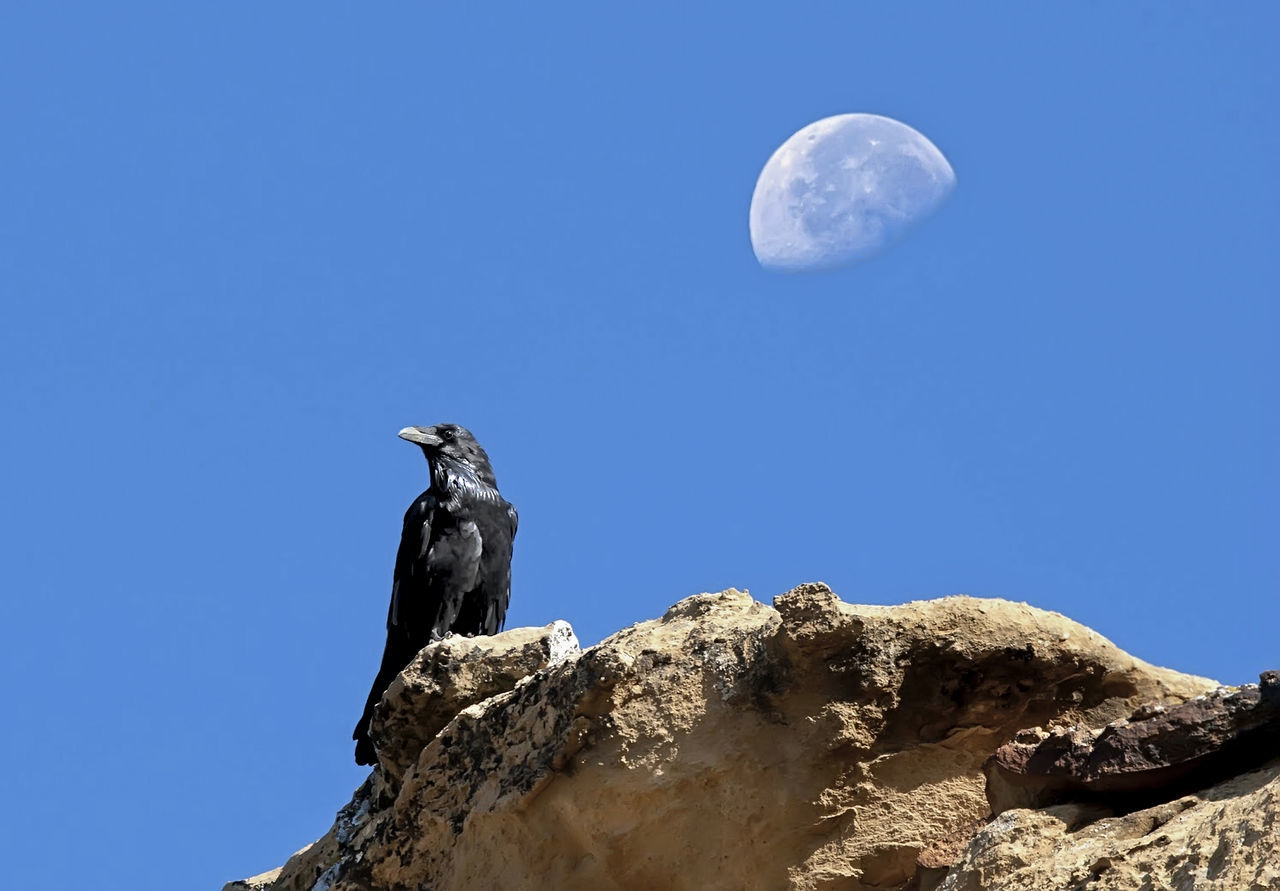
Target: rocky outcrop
[
  {"x": 262, "y": 882},
  {"x": 442, "y": 681},
  {"x": 1223, "y": 838},
  {"x": 1151, "y": 756},
  {"x": 457, "y": 672},
  {"x": 816, "y": 744},
  {"x": 1186, "y": 796}
]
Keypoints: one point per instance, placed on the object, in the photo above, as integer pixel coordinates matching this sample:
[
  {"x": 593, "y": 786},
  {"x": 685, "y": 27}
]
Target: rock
[
  {"x": 317, "y": 867},
  {"x": 1222, "y": 839},
  {"x": 731, "y": 745},
  {"x": 446, "y": 677},
  {"x": 1156, "y": 754},
  {"x": 1115, "y": 805},
  {"x": 261, "y": 882}
]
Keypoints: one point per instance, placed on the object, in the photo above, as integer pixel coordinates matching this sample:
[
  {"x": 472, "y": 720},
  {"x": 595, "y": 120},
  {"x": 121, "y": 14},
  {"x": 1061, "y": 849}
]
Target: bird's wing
[
  {"x": 496, "y": 612},
  {"x": 414, "y": 540},
  {"x": 437, "y": 564}
]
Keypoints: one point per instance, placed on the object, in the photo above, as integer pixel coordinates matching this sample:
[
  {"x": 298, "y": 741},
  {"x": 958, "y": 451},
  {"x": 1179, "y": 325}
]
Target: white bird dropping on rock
[{"x": 842, "y": 189}]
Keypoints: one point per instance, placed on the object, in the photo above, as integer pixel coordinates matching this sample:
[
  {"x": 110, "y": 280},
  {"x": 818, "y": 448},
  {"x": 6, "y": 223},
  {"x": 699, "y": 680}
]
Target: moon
[{"x": 842, "y": 189}]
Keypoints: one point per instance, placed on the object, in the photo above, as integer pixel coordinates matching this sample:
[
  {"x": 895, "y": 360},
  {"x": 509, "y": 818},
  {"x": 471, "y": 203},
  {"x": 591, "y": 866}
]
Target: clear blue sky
[{"x": 241, "y": 245}]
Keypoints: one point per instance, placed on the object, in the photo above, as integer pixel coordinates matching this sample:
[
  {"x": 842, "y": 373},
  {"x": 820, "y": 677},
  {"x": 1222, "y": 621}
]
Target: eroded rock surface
[
  {"x": 1224, "y": 838},
  {"x": 728, "y": 744},
  {"x": 446, "y": 677},
  {"x": 1183, "y": 796},
  {"x": 1153, "y": 755},
  {"x": 262, "y": 882}
]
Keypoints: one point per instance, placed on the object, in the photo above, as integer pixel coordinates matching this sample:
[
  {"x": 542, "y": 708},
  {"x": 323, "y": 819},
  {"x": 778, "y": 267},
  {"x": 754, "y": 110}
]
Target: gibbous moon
[{"x": 842, "y": 189}]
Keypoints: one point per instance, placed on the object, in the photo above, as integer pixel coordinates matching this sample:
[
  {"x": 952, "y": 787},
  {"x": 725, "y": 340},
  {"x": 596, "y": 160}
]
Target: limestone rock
[
  {"x": 447, "y": 676},
  {"x": 261, "y": 882},
  {"x": 1224, "y": 838},
  {"x": 731, "y": 745},
  {"x": 1115, "y": 812},
  {"x": 1154, "y": 755}
]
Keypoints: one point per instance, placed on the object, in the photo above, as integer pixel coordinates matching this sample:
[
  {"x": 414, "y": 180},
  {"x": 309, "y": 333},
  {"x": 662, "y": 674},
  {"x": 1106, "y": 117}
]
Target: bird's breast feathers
[{"x": 458, "y": 548}]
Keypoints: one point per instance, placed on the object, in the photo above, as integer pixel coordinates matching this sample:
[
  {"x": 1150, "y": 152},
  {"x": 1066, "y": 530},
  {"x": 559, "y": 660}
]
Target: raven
[{"x": 453, "y": 568}]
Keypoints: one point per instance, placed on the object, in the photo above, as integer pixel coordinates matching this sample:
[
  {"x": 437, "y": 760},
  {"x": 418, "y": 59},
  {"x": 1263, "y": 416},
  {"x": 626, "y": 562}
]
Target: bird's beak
[{"x": 423, "y": 436}]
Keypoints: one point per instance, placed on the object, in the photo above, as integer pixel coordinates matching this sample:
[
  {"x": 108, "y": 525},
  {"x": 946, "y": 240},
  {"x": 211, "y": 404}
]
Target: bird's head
[{"x": 452, "y": 442}]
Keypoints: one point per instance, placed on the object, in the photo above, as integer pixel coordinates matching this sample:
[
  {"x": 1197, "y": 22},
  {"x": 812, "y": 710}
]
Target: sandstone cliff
[{"x": 814, "y": 744}]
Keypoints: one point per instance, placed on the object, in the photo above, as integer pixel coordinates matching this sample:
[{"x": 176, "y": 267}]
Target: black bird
[{"x": 453, "y": 568}]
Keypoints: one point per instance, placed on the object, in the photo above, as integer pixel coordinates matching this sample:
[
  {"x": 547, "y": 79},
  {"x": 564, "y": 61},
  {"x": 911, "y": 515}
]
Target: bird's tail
[{"x": 394, "y": 657}]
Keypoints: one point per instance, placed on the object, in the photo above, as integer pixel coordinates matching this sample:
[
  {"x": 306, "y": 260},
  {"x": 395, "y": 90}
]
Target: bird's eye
[{"x": 446, "y": 434}]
